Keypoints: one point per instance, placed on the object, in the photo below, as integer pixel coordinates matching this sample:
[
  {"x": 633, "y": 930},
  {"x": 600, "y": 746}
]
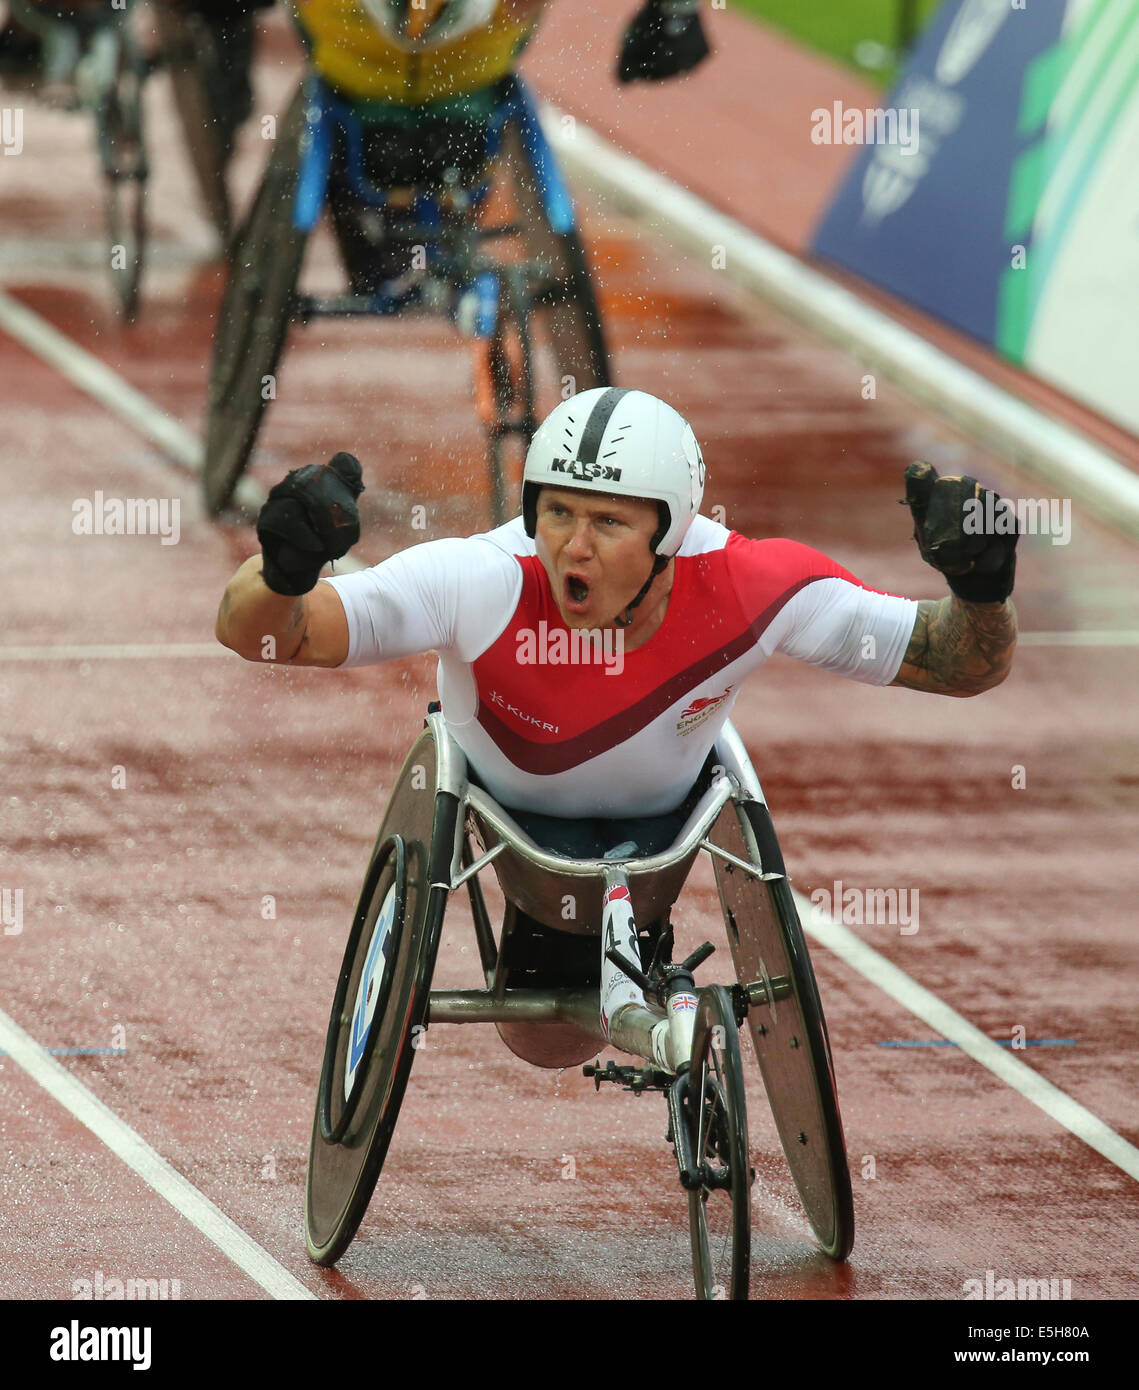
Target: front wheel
[{"x": 719, "y": 1209}]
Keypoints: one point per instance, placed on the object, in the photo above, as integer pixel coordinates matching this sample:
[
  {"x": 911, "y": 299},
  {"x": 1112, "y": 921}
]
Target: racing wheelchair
[
  {"x": 410, "y": 205},
  {"x": 441, "y": 830},
  {"x": 99, "y": 57}
]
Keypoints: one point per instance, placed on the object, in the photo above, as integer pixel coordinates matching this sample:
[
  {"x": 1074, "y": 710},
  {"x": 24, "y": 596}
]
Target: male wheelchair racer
[{"x": 440, "y": 831}]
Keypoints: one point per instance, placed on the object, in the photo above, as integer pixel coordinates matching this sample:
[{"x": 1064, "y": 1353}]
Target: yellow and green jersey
[{"x": 354, "y": 55}]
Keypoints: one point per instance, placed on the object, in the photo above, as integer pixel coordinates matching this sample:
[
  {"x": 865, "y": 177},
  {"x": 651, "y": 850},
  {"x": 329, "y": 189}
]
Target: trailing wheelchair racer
[
  {"x": 91, "y": 56},
  {"x": 413, "y": 128},
  {"x": 425, "y": 186}
]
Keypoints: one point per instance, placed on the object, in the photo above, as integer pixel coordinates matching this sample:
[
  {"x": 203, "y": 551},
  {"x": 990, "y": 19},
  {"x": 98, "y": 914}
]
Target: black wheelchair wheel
[
  {"x": 380, "y": 1010},
  {"x": 568, "y": 307},
  {"x": 788, "y": 1029},
  {"x": 719, "y": 1210},
  {"x": 190, "y": 54},
  {"x": 254, "y": 318},
  {"x": 122, "y": 153},
  {"x": 364, "y": 988},
  {"x": 565, "y": 302}
]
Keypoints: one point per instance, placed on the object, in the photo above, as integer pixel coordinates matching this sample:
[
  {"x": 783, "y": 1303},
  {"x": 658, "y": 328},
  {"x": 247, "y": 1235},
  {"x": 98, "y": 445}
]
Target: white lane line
[
  {"x": 106, "y": 386},
  {"x": 118, "y": 396},
  {"x": 115, "y": 652},
  {"x": 151, "y": 1167},
  {"x": 86, "y": 371},
  {"x": 949, "y": 1023},
  {"x": 1043, "y": 445}
]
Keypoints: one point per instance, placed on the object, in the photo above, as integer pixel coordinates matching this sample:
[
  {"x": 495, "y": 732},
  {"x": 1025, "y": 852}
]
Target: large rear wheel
[
  {"x": 380, "y": 1009},
  {"x": 189, "y": 51},
  {"x": 565, "y": 302},
  {"x": 254, "y": 319},
  {"x": 785, "y": 1018}
]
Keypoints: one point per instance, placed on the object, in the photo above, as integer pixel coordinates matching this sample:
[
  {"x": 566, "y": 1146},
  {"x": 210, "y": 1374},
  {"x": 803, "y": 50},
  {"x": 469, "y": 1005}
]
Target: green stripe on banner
[
  {"x": 1042, "y": 81},
  {"x": 1026, "y": 184},
  {"x": 1092, "y": 48},
  {"x": 1042, "y": 257},
  {"x": 1013, "y": 314},
  {"x": 1090, "y": 120},
  {"x": 1096, "y": 52}
]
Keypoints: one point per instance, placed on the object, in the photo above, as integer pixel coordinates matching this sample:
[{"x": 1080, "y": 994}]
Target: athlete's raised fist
[
  {"x": 310, "y": 517},
  {"x": 665, "y": 38},
  {"x": 964, "y": 530}
]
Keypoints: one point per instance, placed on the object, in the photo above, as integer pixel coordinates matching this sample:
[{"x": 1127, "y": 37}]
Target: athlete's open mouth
[{"x": 577, "y": 588}]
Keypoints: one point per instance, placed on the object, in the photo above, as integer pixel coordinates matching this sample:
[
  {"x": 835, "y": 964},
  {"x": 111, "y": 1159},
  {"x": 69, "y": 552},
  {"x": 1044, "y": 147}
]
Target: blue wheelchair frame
[{"x": 327, "y": 113}]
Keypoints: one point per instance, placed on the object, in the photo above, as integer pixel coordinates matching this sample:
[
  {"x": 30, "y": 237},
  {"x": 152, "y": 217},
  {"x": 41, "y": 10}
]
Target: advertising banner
[{"x": 999, "y": 188}]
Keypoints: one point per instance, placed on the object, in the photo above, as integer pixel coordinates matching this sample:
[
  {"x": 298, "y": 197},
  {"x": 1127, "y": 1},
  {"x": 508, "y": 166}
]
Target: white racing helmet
[
  {"x": 622, "y": 443},
  {"x": 415, "y": 25}
]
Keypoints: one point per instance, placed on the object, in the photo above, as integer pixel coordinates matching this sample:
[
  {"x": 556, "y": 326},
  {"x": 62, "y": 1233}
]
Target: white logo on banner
[
  {"x": 969, "y": 35},
  {"x": 889, "y": 182}
]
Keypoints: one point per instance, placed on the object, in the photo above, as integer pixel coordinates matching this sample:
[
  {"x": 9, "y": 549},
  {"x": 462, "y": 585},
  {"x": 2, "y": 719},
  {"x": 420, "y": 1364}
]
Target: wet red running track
[{"x": 186, "y": 832}]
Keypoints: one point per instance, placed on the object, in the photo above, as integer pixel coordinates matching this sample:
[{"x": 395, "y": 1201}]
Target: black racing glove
[
  {"x": 309, "y": 518},
  {"x": 665, "y": 38},
  {"x": 964, "y": 530}
]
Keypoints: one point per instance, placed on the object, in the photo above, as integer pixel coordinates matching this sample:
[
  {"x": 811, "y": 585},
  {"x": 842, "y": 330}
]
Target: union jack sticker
[{"x": 683, "y": 1003}]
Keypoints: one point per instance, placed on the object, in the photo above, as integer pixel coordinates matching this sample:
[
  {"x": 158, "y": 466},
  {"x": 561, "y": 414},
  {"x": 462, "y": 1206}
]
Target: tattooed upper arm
[{"x": 958, "y": 648}]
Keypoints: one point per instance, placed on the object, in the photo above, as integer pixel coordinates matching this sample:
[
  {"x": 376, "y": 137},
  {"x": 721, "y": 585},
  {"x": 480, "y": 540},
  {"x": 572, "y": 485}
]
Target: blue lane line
[
  {"x": 1000, "y": 1042},
  {"x": 81, "y": 1051}
]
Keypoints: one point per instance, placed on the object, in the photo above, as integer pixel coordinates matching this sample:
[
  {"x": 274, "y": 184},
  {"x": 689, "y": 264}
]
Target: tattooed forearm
[
  {"x": 959, "y": 648},
  {"x": 262, "y": 625},
  {"x": 256, "y": 622}
]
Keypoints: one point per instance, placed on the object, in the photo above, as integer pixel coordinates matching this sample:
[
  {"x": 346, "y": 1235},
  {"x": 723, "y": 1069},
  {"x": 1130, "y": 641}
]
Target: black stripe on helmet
[{"x": 599, "y": 417}]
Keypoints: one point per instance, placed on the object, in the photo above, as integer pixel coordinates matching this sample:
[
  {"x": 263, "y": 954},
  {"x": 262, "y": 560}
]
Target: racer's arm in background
[
  {"x": 260, "y": 625},
  {"x": 959, "y": 648}
]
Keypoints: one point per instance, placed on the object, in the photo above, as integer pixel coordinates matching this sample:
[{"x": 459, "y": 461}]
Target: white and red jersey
[{"x": 555, "y": 727}]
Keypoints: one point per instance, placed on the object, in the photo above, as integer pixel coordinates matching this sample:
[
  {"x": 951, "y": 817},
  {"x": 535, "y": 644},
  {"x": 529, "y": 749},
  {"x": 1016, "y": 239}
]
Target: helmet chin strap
[{"x": 660, "y": 562}]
